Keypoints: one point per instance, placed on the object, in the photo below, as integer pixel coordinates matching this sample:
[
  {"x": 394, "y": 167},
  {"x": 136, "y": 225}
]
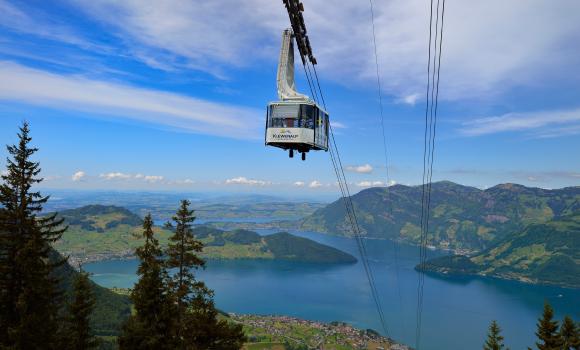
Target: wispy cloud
[
  {"x": 78, "y": 176},
  {"x": 67, "y": 92},
  {"x": 153, "y": 178},
  {"x": 180, "y": 34},
  {"x": 409, "y": 99},
  {"x": 361, "y": 169},
  {"x": 35, "y": 22},
  {"x": 315, "y": 184},
  {"x": 299, "y": 183},
  {"x": 241, "y": 180},
  {"x": 115, "y": 176},
  {"x": 370, "y": 183},
  {"x": 542, "y": 123},
  {"x": 162, "y": 32},
  {"x": 337, "y": 125}
]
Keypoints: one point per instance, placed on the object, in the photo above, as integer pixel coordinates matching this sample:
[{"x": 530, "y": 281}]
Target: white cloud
[
  {"x": 78, "y": 176},
  {"x": 241, "y": 180},
  {"x": 370, "y": 183},
  {"x": 530, "y": 121},
  {"x": 153, "y": 178},
  {"x": 315, "y": 184},
  {"x": 68, "y": 92},
  {"x": 361, "y": 169},
  {"x": 392, "y": 183},
  {"x": 4, "y": 173},
  {"x": 115, "y": 176},
  {"x": 409, "y": 99},
  {"x": 299, "y": 183},
  {"x": 181, "y": 34},
  {"x": 20, "y": 20},
  {"x": 489, "y": 46},
  {"x": 337, "y": 125}
]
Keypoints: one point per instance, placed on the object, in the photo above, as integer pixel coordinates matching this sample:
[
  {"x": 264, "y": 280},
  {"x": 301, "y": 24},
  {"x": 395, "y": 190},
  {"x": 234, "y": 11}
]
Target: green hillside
[
  {"x": 462, "y": 217},
  {"x": 99, "y": 232},
  {"x": 111, "y": 309},
  {"x": 243, "y": 244},
  {"x": 547, "y": 253}
]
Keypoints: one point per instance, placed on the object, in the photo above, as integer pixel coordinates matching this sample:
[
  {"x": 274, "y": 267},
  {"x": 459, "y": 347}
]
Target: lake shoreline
[{"x": 444, "y": 272}]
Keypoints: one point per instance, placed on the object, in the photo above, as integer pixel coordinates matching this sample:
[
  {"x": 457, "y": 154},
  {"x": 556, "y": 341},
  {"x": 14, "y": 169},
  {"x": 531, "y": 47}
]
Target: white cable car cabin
[{"x": 295, "y": 123}]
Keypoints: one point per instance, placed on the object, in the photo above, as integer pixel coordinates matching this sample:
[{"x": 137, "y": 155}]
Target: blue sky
[{"x": 171, "y": 95}]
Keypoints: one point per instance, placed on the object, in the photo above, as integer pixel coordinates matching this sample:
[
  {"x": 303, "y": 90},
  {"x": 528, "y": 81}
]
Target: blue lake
[{"x": 456, "y": 310}]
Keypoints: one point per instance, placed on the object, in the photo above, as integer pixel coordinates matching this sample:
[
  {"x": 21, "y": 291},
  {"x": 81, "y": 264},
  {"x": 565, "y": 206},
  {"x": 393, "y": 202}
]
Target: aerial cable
[
  {"x": 351, "y": 214},
  {"x": 357, "y": 232},
  {"x": 385, "y": 149},
  {"x": 428, "y": 153},
  {"x": 309, "y": 82},
  {"x": 313, "y": 86},
  {"x": 421, "y": 245},
  {"x": 318, "y": 83},
  {"x": 294, "y": 10}
]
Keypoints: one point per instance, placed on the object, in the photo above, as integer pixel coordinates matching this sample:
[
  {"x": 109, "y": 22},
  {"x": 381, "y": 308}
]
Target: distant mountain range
[
  {"x": 98, "y": 232},
  {"x": 461, "y": 217},
  {"x": 507, "y": 231}
]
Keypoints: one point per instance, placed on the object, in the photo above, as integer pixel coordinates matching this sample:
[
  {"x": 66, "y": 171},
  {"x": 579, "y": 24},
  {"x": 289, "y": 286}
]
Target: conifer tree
[
  {"x": 548, "y": 335},
  {"x": 182, "y": 255},
  {"x": 149, "y": 327},
  {"x": 29, "y": 292},
  {"x": 494, "y": 338},
  {"x": 570, "y": 334},
  {"x": 197, "y": 326},
  {"x": 78, "y": 331}
]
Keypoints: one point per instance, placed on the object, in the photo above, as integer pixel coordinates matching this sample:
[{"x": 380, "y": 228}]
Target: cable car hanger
[{"x": 295, "y": 122}]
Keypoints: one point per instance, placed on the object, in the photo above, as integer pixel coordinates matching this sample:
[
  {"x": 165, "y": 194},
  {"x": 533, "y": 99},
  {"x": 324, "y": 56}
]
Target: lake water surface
[{"x": 456, "y": 311}]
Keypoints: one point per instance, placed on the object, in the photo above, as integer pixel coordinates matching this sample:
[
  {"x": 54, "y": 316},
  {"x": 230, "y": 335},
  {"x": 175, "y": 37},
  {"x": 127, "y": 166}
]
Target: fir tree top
[{"x": 547, "y": 332}]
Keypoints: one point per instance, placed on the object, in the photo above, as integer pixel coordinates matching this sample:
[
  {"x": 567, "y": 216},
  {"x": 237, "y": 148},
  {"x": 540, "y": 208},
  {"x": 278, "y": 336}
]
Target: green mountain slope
[
  {"x": 111, "y": 309},
  {"x": 546, "y": 253},
  {"x": 99, "y": 232},
  {"x": 462, "y": 217},
  {"x": 243, "y": 244}
]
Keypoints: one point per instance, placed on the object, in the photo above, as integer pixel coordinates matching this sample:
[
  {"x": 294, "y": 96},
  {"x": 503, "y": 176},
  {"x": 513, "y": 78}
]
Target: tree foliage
[
  {"x": 175, "y": 311},
  {"x": 150, "y": 326},
  {"x": 77, "y": 331},
  {"x": 197, "y": 326},
  {"x": 570, "y": 333},
  {"x": 29, "y": 291},
  {"x": 547, "y": 333},
  {"x": 494, "y": 338},
  {"x": 182, "y": 255}
]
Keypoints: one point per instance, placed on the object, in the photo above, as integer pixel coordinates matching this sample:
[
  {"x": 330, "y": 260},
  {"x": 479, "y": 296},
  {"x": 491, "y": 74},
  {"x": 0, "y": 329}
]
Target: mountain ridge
[{"x": 463, "y": 218}]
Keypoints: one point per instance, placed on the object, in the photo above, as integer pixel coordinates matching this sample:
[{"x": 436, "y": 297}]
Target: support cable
[
  {"x": 385, "y": 149},
  {"x": 429, "y": 152},
  {"x": 351, "y": 213}
]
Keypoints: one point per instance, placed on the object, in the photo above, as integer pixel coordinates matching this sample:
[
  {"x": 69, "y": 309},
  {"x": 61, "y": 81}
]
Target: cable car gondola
[{"x": 295, "y": 122}]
